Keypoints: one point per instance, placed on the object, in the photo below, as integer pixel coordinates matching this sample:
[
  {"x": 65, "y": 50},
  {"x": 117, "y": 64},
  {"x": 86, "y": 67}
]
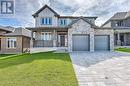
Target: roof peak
[
  {"x": 56, "y": 14},
  {"x": 86, "y": 20},
  {"x": 41, "y": 9}
]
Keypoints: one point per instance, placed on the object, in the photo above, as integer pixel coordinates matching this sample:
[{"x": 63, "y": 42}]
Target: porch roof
[
  {"x": 48, "y": 28},
  {"x": 122, "y": 29}
]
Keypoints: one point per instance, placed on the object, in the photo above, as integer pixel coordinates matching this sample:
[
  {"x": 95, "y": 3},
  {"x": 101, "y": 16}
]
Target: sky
[{"x": 103, "y": 9}]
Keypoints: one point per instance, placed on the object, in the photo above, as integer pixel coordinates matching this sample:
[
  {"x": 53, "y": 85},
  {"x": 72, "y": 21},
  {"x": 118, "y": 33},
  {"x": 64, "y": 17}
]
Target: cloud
[
  {"x": 104, "y": 9},
  {"x": 24, "y": 10}
]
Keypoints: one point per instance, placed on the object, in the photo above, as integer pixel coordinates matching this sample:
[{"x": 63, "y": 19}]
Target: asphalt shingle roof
[
  {"x": 9, "y": 29},
  {"x": 45, "y": 6},
  {"x": 119, "y": 15},
  {"x": 20, "y": 32},
  {"x": 85, "y": 19}
]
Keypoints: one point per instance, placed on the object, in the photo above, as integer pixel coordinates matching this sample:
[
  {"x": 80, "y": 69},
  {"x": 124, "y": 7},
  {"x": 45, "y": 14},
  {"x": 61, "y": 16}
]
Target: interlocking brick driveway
[{"x": 102, "y": 68}]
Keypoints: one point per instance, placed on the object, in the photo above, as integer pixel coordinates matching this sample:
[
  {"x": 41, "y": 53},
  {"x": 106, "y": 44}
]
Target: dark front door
[
  {"x": 62, "y": 40},
  {"x": 122, "y": 39}
]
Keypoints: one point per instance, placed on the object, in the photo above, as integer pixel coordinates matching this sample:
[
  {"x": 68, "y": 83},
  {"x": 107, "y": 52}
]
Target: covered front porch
[
  {"x": 49, "y": 37},
  {"x": 122, "y": 37}
]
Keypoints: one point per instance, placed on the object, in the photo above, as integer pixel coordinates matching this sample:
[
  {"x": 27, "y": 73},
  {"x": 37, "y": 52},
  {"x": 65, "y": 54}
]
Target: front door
[
  {"x": 62, "y": 40},
  {"x": 122, "y": 39}
]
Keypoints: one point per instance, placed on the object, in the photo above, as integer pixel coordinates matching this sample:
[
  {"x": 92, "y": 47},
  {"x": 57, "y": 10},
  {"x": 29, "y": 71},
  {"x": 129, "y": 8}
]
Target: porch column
[
  {"x": 92, "y": 41},
  {"x": 118, "y": 39},
  {"x": 31, "y": 41},
  {"x": 54, "y": 38},
  {"x": 125, "y": 39}
]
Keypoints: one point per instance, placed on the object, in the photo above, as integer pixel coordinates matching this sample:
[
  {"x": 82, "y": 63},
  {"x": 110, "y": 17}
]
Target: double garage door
[{"x": 82, "y": 42}]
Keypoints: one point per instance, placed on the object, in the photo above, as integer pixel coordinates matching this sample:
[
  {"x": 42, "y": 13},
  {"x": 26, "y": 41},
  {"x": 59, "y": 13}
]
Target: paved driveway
[{"x": 102, "y": 68}]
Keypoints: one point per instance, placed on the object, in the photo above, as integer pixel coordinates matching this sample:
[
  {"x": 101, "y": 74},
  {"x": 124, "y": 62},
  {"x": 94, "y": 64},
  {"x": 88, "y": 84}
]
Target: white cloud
[
  {"x": 104, "y": 9},
  {"x": 25, "y": 9}
]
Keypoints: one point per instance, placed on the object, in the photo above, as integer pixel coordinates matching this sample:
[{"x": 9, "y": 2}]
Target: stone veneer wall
[{"x": 82, "y": 27}]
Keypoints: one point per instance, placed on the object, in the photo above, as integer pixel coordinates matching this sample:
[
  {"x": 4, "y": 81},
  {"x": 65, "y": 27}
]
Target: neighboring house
[
  {"x": 14, "y": 40},
  {"x": 76, "y": 33},
  {"x": 120, "y": 22}
]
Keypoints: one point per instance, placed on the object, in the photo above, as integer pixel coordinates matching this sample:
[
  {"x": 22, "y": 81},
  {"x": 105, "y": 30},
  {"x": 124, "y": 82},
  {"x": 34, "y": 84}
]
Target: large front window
[
  {"x": 11, "y": 42},
  {"x": 46, "y": 36},
  {"x": 47, "y": 21}
]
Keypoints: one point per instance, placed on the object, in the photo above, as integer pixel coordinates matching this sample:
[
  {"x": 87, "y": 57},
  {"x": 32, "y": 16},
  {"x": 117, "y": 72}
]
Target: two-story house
[
  {"x": 74, "y": 32},
  {"x": 120, "y": 22}
]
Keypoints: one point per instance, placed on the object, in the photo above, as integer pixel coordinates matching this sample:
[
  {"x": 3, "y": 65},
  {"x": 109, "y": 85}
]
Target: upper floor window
[
  {"x": 120, "y": 23},
  {"x": 11, "y": 42},
  {"x": 63, "y": 22},
  {"x": 47, "y": 21}
]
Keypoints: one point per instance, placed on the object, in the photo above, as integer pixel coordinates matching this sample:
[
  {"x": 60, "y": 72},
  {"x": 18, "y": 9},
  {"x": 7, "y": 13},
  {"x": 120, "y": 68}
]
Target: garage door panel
[
  {"x": 102, "y": 42},
  {"x": 80, "y": 42}
]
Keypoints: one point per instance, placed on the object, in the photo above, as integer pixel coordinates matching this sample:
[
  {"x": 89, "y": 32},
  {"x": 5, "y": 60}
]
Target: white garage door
[
  {"x": 80, "y": 42},
  {"x": 102, "y": 42}
]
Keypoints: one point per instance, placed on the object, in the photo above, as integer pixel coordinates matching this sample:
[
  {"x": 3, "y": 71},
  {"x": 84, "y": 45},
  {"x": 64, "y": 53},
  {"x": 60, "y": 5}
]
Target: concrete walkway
[
  {"x": 102, "y": 68},
  {"x": 46, "y": 49}
]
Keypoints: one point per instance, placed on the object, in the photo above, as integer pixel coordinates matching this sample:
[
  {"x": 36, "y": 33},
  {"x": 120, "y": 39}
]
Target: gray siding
[
  {"x": 113, "y": 23},
  {"x": 128, "y": 22},
  {"x": 128, "y": 39}
]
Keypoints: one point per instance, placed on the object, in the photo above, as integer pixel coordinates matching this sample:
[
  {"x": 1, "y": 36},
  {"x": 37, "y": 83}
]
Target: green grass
[
  {"x": 4, "y": 55},
  {"x": 123, "y": 49},
  {"x": 40, "y": 69}
]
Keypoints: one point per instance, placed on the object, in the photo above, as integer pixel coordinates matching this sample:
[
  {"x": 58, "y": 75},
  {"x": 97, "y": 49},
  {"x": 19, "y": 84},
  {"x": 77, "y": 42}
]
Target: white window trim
[
  {"x": 64, "y": 22},
  {"x": 44, "y": 20},
  {"x": 48, "y": 37},
  {"x": 13, "y": 47}
]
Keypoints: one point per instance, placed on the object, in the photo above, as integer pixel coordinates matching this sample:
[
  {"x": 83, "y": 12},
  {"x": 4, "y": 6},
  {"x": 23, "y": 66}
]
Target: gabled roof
[
  {"x": 19, "y": 32},
  {"x": 8, "y": 29},
  {"x": 119, "y": 16},
  {"x": 86, "y": 20},
  {"x": 41, "y": 9}
]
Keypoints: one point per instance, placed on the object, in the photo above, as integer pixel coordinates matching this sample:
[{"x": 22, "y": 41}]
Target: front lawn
[
  {"x": 4, "y": 55},
  {"x": 123, "y": 49},
  {"x": 40, "y": 69}
]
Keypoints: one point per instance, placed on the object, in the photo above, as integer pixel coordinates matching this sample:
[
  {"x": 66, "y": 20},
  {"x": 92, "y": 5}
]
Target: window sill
[{"x": 46, "y": 24}]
